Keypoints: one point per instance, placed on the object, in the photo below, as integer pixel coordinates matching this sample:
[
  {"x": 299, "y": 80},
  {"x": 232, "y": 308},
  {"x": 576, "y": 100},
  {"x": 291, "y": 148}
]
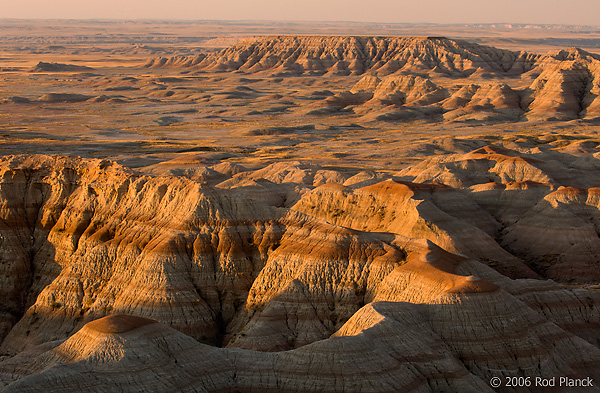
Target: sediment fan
[{"x": 116, "y": 281}]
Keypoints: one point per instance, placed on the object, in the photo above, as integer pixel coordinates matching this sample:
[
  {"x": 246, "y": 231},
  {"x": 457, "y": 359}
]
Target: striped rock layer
[
  {"x": 406, "y": 78},
  {"x": 376, "y": 285}
]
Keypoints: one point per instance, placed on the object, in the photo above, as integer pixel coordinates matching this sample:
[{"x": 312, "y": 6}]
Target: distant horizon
[
  {"x": 522, "y": 12},
  {"x": 291, "y": 21}
]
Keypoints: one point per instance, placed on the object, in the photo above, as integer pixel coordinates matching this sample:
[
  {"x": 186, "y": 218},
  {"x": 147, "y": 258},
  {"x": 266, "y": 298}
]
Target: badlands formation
[{"x": 299, "y": 214}]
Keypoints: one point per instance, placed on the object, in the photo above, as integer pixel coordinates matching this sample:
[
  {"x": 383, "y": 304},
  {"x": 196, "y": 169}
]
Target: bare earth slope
[
  {"x": 472, "y": 79},
  {"x": 354, "y": 54},
  {"x": 88, "y": 238}
]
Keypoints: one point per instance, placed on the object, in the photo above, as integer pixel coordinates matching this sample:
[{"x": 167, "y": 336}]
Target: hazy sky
[{"x": 584, "y": 12}]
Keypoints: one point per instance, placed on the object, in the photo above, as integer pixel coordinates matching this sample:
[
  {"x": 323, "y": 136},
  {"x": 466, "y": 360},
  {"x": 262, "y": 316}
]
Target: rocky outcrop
[
  {"x": 554, "y": 228},
  {"x": 406, "y": 347},
  {"x": 353, "y": 55},
  {"x": 559, "y": 233},
  {"x": 491, "y": 101},
  {"x": 400, "y": 90},
  {"x": 175, "y": 61},
  {"x": 560, "y": 92},
  {"x": 403, "y": 77},
  {"x": 299, "y": 294},
  {"x": 434, "y": 212},
  {"x": 119, "y": 242}
]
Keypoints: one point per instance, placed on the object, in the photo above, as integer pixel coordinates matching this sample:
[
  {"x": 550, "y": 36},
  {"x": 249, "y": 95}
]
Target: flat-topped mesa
[{"x": 345, "y": 55}]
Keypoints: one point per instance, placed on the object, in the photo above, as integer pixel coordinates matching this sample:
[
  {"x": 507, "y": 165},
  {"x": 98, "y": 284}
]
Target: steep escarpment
[
  {"x": 547, "y": 216},
  {"x": 565, "y": 86},
  {"x": 434, "y": 212},
  {"x": 122, "y": 242},
  {"x": 30, "y": 208},
  {"x": 354, "y": 55},
  {"x": 129, "y": 273},
  {"x": 419, "y": 78},
  {"x": 201, "y": 259}
]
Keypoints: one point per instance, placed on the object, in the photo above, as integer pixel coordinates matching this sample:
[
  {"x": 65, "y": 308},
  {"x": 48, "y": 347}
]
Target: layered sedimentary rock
[
  {"x": 386, "y": 345},
  {"x": 402, "y": 90},
  {"x": 356, "y": 55},
  {"x": 562, "y": 90},
  {"x": 489, "y": 101},
  {"x": 411, "y": 276},
  {"x": 416, "y": 211},
  {"x": 407, "y": 78},
  {"x": 110, "y": 246}
]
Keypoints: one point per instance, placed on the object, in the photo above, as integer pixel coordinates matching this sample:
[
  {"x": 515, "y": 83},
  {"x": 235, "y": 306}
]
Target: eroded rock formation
[
  {"x": 413, "y": 275},
  {"x": 407, "y": 77}
]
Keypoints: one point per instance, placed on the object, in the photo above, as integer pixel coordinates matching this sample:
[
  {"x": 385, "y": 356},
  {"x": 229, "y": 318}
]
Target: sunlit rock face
[
  {"x": 125, "y": 275},
  {"x": 408, "y": 78}
]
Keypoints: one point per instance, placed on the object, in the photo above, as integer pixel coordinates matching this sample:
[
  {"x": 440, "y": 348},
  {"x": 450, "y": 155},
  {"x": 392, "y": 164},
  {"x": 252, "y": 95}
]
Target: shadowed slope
[{"x": 347, "y": 277}]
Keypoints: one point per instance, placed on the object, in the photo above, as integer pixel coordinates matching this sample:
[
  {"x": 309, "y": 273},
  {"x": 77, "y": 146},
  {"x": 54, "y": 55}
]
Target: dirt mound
[
  {"x": 59, "y": 67},
  {"x": 63, "y": 97},
  {"x": 119, "y": 323}
]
